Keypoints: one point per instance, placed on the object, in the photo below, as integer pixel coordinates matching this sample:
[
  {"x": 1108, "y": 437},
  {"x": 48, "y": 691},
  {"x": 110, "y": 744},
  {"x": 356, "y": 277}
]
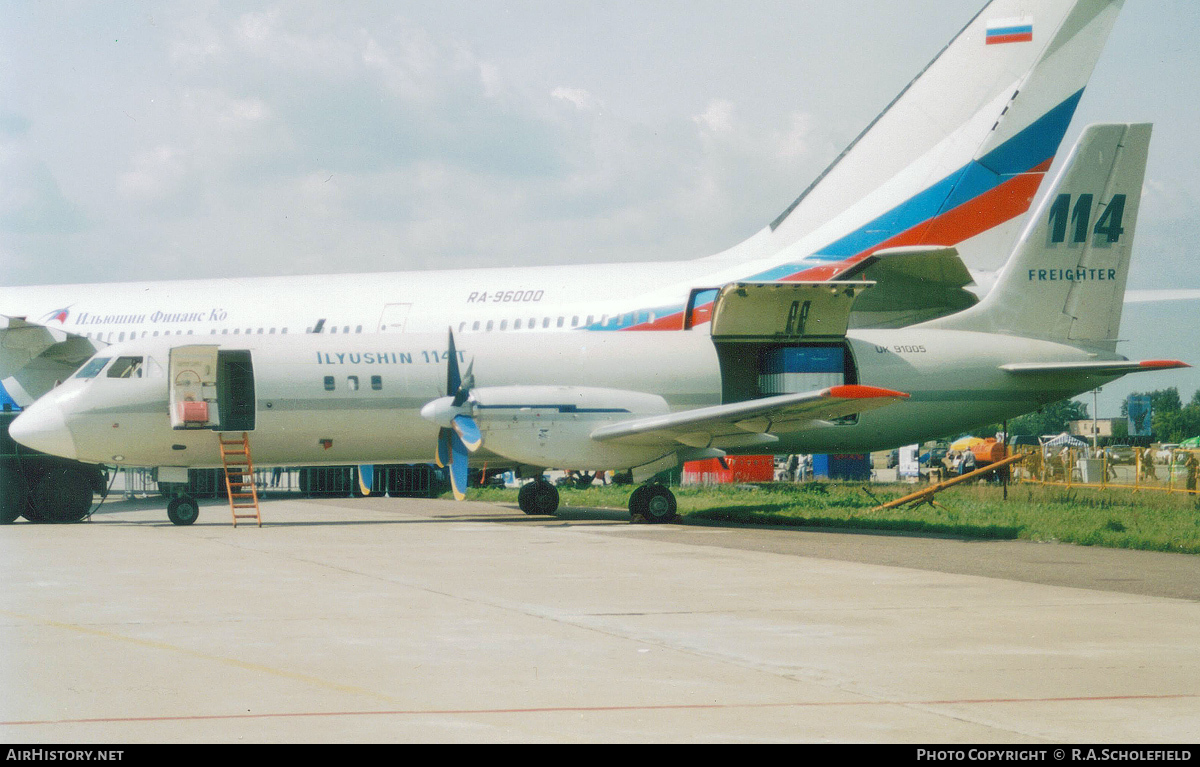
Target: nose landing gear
[{"x": 183, "y": 510}]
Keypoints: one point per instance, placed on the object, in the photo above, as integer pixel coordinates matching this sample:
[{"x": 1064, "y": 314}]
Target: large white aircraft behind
[
  {"x": 954, "y": 160},
  {"x": 781, "y": 370}
]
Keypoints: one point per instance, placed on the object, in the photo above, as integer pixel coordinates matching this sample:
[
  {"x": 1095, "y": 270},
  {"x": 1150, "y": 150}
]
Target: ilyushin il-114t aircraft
[{"x": 778, "y": 367}]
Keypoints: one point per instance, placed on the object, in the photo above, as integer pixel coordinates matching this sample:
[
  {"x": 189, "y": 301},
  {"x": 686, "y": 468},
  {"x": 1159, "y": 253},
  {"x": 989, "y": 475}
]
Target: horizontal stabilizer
[
  {"x": 927, "y": 263},
  {"x": 912, "y": 284},
  {"x": 34, "y": 357},
  {"x": 21, "y": 342},
  {"x": 731, "y": 424},
  {"x": 1104, "y": 367},
  {"x": 1161, "y": 294}
]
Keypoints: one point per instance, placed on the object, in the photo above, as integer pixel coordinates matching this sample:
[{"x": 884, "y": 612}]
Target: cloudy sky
[{"x": 146, "y": 140}]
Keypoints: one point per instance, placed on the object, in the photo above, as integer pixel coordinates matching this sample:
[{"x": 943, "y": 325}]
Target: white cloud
[
  {"x": 582, "y": 100},
  {"x": 794, "y": 141},
  {"x": 155, "y": 175},
  {"x": 717, "y": 117},
  {"x": 308, "y": 137}
]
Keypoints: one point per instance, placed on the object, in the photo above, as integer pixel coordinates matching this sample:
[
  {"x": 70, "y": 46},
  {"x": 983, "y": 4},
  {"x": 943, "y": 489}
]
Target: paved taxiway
[{"x": 405, "y": 620}]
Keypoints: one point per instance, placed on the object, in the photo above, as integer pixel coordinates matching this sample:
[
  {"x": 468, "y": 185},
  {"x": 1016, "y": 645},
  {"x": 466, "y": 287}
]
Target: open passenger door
[{"x": 211, "y": 388}]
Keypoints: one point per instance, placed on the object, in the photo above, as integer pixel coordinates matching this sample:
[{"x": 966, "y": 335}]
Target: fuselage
[
  {"x": 356, "y": 399},
  {"x": 613, "y": 296}
]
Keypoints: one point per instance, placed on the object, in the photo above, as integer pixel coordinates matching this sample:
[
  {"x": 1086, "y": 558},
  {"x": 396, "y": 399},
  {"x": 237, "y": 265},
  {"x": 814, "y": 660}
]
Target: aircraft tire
[
  {"x": 538, "y": 498},
  {"x": 183, "y": 510},
  {"x": 525, "y": 497},
  {"x": 63, "y": 494},
  {"x": 14, "y": 495},
  {"x": 652, "y": 503},
  {"x": 546, "y": 501}
]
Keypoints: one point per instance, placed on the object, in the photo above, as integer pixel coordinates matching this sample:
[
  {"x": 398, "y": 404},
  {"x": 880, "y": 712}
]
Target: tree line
[{"x": 1171, "y": 420}]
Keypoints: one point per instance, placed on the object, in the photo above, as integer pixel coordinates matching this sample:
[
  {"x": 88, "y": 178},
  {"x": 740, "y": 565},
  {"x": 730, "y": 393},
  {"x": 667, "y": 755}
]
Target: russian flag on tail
[{"x": 1018, "y": 30}]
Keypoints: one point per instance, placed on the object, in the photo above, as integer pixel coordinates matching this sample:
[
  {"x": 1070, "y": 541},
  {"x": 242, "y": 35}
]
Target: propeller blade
[
  {"x": 458, "y": 468},
  {"x": 366, "y": 476},
  {"x": 455, "y": 444},
  {"x": 468, "y": 431},
  {"x": 453, "y": 380},
  {"x": 464, "y": 388},
  {"x": 442, "y": 454}
]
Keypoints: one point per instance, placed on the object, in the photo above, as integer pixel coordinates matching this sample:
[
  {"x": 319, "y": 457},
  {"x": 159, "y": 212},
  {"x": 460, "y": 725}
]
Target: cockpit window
[
  {"x": 126, "y": 367},
  {"x": 153, "y": 368},
  {"x": 93, "y": 367}
]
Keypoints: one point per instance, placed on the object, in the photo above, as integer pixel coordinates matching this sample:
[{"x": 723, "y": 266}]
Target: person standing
[{"x": 1147, "y": 461}]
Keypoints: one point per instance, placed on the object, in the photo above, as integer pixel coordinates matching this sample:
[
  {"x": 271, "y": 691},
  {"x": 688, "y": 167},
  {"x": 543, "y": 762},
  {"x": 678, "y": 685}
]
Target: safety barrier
[{"x": 1172, "y": 471}]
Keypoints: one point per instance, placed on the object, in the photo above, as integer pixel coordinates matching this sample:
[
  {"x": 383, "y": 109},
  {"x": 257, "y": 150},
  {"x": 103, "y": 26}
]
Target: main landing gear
[
  {"x": 652, "y": 503},
  {"x": 538, "y": 498}
]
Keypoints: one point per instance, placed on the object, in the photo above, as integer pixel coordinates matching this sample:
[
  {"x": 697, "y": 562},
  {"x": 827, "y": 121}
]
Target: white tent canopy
[{"x": 1064, "y": 439}]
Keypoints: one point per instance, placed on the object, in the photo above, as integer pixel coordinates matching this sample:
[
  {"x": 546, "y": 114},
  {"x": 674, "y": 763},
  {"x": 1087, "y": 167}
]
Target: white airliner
[
  {"x": 954, "y": 160},
  {"x": 779, "y": 368}
]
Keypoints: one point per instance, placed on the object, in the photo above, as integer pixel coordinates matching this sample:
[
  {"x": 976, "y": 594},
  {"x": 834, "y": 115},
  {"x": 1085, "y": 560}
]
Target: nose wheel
[
  {"x": 183, "y": 510},
  {"x": 652, "y": 503}
]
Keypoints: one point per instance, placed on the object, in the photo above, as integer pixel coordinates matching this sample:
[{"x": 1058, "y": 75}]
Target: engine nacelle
[{"x": 551, "y": 426}]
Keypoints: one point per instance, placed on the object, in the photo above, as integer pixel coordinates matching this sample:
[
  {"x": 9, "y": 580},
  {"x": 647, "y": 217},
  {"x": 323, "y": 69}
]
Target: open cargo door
[{"x": 783, "y": 337}]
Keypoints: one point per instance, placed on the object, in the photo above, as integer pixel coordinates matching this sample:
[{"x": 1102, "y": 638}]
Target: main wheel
[
  {"x": 538, "y": 497},
  {"x": 653, "y": 503},
  {"x": 14, "y": 495},
  {"x": 183, "y": 510},
  {"x": 63, "y": 494},
  {"x": 525, "y": 497}
]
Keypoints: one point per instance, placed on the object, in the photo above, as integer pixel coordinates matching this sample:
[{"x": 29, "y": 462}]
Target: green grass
[{"x": 1113, "y": 518}]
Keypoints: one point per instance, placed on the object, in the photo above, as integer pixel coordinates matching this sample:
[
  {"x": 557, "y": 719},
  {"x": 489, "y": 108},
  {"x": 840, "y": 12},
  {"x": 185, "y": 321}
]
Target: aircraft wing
[
  {"x": 33, "y": 357},
  {"x": 748, "y": 422},
  {"x": 1101, "y": 367}
]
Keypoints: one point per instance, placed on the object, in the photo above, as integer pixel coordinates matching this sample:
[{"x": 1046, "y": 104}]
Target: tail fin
[
  {"x": 1065, "y": 281},
  {"x": 960, "y": 152}
]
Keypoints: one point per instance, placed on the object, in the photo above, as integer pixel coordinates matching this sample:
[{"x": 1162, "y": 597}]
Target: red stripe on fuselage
[{"x": 990, "y": 209}]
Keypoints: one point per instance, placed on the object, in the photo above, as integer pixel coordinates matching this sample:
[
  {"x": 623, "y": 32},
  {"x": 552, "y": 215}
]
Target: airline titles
[
  {"x": 384, "y": 358},
  {"x": 1078, "y": 274},
  {"x": 208, "y": 315}
]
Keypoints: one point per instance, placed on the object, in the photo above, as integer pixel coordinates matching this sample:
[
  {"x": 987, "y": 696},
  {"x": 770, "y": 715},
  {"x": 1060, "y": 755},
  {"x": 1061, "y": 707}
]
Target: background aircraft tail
[
  {"x": 958, "y": 154},
  {"x": 1065, "y": 280}
]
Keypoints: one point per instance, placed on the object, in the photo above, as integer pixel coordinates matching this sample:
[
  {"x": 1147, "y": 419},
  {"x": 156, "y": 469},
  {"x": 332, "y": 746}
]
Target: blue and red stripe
[{"x": 983, "y": 194}]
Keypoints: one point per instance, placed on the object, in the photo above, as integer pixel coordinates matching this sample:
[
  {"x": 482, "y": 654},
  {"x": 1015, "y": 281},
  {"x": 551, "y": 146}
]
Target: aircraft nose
[{"x": 42, "y": 427}]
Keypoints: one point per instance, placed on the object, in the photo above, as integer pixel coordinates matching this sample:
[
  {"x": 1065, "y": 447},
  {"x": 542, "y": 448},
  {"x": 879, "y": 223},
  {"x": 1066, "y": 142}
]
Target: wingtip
[
  {"x": 858, "y": 391},
  {"x": 1163, "y": 364}
]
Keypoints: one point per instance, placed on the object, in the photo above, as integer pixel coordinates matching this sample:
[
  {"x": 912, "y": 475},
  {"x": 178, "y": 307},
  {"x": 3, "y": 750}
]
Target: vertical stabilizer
[
  {"x": 1065, "y": 280},
  {"x": 957, "y": 157}
]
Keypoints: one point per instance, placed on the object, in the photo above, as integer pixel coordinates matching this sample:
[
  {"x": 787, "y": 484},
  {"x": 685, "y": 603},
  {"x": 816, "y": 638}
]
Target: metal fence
[{"x": 1172, "y": 471}]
